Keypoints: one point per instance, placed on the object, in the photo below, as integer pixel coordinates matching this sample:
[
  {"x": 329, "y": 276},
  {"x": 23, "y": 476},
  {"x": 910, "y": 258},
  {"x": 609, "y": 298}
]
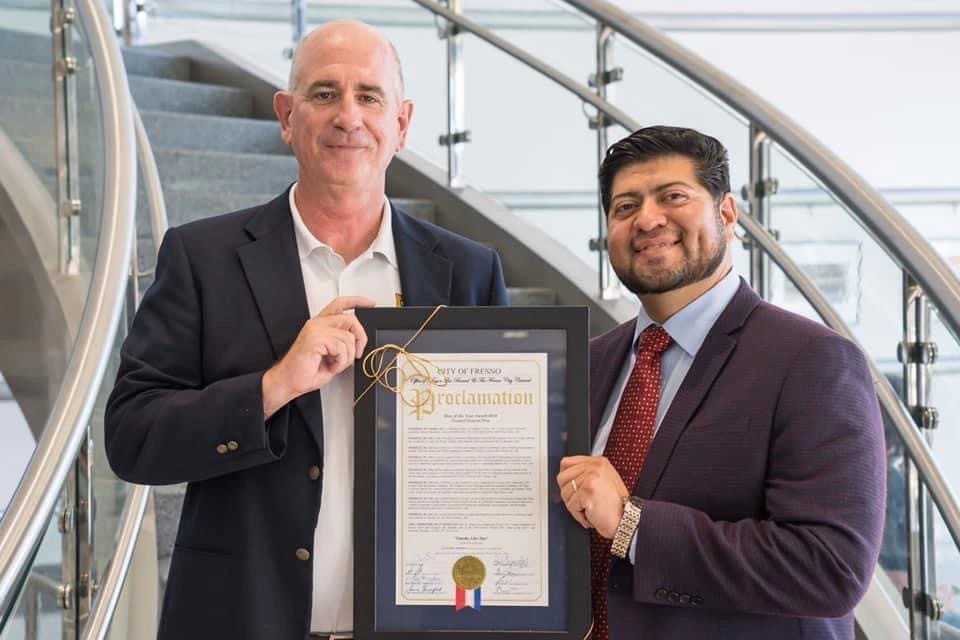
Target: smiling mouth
[{"x": 655, "y": 245}]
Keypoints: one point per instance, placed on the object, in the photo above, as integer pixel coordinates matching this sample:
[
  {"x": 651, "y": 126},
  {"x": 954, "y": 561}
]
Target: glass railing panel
[
  {"x": 18, "y": 444},
  {"x": 511, "y": 139},
  {"x": 894, "y": 548},
  {"x": 26, "y": 96},
  {"x": 945, "y": 398},
  {"x": 36, "y": 613},
  {"x": 109, "y": 492},
  {"x": 423, "y": 56},
  {"x": 90, "y": 152},
  {"x": 865, "y": 286},
  {"x": 551, "y": 30},
  {"x": 654, "y": 94},
  {"x": 854, "y": 273}
]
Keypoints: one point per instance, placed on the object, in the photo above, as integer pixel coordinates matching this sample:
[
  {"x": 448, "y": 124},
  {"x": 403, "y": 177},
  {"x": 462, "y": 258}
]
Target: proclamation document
[{"x": 472, "y": 480}]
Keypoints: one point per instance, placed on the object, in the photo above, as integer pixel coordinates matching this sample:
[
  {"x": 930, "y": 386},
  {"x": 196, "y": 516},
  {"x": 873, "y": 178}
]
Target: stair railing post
[
  {"x": 63, "y": 17},
  {"x": 918, "y": 354},
  {"x": 457, "y": 134},
  {"x": 609, "y": 285},
  {"x": 762, "y": 186}
]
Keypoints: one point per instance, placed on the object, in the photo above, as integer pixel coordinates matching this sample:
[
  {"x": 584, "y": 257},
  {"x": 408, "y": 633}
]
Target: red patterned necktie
[{"x": 627, "y": 448}]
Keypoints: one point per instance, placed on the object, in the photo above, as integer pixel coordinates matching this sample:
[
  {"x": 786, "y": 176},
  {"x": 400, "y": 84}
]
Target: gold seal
[{"x": 469, "y": 572}]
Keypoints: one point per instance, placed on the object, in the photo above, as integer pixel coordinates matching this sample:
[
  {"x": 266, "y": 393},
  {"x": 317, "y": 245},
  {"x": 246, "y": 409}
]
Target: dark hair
[{"x": 709, "y": 157}]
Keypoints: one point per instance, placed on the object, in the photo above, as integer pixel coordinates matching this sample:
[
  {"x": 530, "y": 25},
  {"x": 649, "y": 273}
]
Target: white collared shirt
[{"x": 374, "y": 274}]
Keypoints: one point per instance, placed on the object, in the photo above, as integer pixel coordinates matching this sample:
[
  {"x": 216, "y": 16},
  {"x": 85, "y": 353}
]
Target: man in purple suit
[{"x": 754, "y": 506}]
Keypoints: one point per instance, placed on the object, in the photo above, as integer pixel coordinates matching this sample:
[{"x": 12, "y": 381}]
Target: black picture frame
[{"x": 561, "y": 332}]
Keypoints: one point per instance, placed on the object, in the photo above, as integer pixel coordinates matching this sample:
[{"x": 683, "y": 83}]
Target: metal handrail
[
  {"x": 101, "y": 615},
  {"x": 918, "y": 257},
  {"x": 33, "y": 502},
  {"x": 897, "y": 236}
]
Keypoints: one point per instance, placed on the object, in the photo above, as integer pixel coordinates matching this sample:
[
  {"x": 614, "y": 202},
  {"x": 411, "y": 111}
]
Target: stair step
[
  {"x": 25, "y": 79},
  {"x": 225, "y": 171},
  {"x": 531, "y": 296},
  {"x": 32, "y": 117},
  {"x": 185, "y": 205},
  {"x": 155, "y": 64},
  {"x": 19, "y": 45},
  {"x": 212, "y": 133},
  {"x": 162, "y": 94}
]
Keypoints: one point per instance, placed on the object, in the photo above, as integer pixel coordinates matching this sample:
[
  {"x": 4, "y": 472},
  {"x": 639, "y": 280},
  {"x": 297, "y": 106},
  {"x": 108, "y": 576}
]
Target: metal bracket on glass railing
[
  {"x": 597, "y": 244},
  {"x": 606, "y": 77},
  {"x": 457, "y": 137},
  {"x": 761, "y": 189},
  {"x": 926, "y": 417},
  {"x": 917, "y": 352},
  {"x": 924, "y": 604}
]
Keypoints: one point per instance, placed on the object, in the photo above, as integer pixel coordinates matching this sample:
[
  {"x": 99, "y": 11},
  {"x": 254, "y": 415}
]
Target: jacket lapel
[
  {"x": 425, "y": 276},
  {"x": 709, "y": 361},
  {"x": 272, "y": 267}
]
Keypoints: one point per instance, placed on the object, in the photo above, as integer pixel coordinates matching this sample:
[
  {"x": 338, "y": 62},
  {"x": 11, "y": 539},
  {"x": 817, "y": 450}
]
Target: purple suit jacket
[{"x": 764, "y": 486}]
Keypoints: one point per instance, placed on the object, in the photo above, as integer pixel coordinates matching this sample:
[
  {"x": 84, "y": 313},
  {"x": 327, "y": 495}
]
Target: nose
[
  {"x": 348, "y": 116},
  {"x": 648, "y": 216}
]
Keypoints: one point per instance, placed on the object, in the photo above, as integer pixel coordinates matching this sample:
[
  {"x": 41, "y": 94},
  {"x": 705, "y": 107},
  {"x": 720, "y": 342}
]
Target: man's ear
[
  {"x": 283, "y": 106},
  {"x": 729, "y": 214},
  {"x": 404, "y": 115}
]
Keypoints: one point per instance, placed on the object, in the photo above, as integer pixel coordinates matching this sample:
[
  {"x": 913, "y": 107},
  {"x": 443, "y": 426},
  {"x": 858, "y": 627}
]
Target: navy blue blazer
[
  {"x": 764, "y": 485},
  {"x": 227, "y": 303}
]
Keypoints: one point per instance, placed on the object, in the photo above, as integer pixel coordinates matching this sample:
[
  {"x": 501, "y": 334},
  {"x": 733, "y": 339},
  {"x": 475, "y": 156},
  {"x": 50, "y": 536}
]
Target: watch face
[{"x": 637, "y": 502}]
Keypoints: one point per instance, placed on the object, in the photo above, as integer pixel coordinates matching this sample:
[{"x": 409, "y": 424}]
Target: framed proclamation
[{"x": 462, "y": 417}]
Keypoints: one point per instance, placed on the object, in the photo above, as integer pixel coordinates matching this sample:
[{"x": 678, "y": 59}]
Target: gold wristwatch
[{"x": 632, "y": 508}]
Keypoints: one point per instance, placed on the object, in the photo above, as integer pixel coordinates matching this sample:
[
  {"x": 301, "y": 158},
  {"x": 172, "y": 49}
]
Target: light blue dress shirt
[{"x": 688, "y": 328}]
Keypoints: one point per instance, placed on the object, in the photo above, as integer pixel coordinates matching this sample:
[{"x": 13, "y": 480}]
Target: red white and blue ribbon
[{"x": 468, "y": 598}]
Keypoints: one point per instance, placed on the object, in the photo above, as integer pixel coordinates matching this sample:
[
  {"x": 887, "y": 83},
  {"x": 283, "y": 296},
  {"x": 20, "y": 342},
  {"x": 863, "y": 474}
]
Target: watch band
[{"x": 632, "y": 508}]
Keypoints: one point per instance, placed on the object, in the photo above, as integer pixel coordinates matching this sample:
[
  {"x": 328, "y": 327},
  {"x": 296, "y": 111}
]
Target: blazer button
[
  {"x": 696, "y": 600},
  {"x": 232, "y": 445},
  {"x": 314, "y": 472},
  {"x": 303, "y": 554},
  {"x": 684, "y": 598},
  {"x": 660, "y": 594},
  {"x": 673, "y": 597},
  {"x": 221, "y": 448}
]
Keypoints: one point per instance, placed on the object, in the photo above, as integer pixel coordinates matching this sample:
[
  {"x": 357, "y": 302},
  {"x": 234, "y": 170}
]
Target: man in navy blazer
[
  {"x": 234, "y": 377},
  {"x": 758, "y": 510}
]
